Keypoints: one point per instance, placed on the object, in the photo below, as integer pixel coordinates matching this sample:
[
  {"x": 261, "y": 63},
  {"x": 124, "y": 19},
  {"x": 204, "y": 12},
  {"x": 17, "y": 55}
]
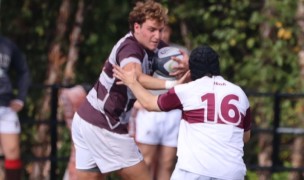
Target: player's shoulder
[
  {"x": 238, "y": 90},
  {"x": 129, "y": 44},
  {"x": 127, "y": 47},
  {"x": 236, "y": 87},
  {"x": 129, "y": 41},
  {"x": 229, "y": 85},
  {"x": 186, "y": 89}
]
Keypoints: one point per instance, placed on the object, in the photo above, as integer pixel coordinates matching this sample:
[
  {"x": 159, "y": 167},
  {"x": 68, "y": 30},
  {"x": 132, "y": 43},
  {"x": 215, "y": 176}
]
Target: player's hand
[
  {"x": 183, "y": 65},
  {"x": 125, "y": 77},
  {"x": 185, "y": 78},
  {"x": 16, "y": 105}
]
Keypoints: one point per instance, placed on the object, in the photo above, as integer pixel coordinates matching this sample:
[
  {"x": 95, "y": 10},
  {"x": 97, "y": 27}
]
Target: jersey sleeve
[
  {"x": 23, "y": 73},
  {"x": 129, "y": 52},
  {"x": 169, "y": 101},
  {"x": 247, "y": 120}
]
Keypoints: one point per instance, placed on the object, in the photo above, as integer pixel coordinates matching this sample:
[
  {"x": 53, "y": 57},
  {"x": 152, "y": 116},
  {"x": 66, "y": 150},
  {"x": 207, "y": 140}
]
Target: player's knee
[
  {"x": 148, "y": 161},
  {"x": 12, "y": 153}
]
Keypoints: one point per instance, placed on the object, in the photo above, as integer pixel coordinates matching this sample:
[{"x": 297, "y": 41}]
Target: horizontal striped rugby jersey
[{"x": 108, "y": 105}]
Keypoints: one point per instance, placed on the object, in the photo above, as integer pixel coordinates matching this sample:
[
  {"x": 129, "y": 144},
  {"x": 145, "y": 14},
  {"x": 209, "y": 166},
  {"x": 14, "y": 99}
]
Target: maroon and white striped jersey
[
  {"x": 108, "y": 105},
  {"x": 215, "y": 115}
]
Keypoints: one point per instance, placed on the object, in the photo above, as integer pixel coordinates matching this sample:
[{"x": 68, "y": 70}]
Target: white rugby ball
[{"x": 163, "y": 63}]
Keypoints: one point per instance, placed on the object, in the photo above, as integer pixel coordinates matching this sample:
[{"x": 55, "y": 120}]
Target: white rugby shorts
[
  {"x": 9, "y": 121},
  {"x": 181, "y": 174},
  {"x": 97, "y": 147},
  {"x": 157, "y": 128}
]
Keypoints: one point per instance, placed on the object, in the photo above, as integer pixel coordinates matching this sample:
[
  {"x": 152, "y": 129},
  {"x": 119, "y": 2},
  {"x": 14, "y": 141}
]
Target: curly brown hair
[{"x": 147, "y": 10}]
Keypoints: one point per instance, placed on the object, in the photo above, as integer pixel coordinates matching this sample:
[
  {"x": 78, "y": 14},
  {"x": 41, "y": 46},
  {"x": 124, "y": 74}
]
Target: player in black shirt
[{"x": 11, "y": 59}]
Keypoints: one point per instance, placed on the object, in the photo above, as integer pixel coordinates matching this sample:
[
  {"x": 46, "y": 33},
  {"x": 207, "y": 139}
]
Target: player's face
[{"x": 149, "y": 33}]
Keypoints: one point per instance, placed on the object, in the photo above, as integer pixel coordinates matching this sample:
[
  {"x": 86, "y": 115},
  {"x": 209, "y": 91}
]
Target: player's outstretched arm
[
  {"x": 147, "y": 81},
  {"x": 150, "y": 82},
  {"x": 129, "y": 78}
]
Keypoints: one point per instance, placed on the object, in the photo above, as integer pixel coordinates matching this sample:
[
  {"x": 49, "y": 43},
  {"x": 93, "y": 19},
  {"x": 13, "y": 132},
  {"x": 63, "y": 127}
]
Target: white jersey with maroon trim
[{"x": 215, "y": 115}]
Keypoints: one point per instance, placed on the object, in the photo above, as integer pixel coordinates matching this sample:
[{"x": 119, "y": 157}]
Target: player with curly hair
[{"x": 100, "y": 126}]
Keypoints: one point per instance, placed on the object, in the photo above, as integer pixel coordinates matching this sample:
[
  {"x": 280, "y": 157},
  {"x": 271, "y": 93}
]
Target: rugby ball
[{"x": 163, "y": 63}]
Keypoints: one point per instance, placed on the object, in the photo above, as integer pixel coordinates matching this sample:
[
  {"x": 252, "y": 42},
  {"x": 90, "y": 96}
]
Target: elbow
[
  {"x": 149, "y": 103},
  {"x": 246, "y": 140},
  {"x": 246, "y": 136},
  {"x": 147, "y": 106},
  {"x": 151, "y": 106}
]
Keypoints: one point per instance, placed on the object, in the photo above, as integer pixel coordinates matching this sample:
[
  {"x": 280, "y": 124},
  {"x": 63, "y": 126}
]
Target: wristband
[{"x": 170, "y": 84}]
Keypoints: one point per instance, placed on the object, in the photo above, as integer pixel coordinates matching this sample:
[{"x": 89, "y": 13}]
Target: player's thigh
[
  {"x": 87, "y": 175},
  {"x": 136, "y": 172},
  {"x": 166, "y": 160},
  {"x": 10, "y": 145},
  {"x": 148, "y": 151},
  {"x": 167, "y": 156},
  {"x": 9, "y": 133}
]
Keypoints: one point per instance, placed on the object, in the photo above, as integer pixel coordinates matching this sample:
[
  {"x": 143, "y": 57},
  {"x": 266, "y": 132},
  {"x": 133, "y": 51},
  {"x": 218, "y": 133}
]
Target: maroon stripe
[
  {"x": 197, "y": 116},
  {"x": 194, "y": 116},
  {"x": 247, "y": 120},
  {"x": 91, "y": 115},
  {"x": 101, "y": 91},
  {"x": 108, "y": 69}
]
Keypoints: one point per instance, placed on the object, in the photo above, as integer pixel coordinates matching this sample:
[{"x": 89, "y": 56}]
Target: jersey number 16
[{"x": 228, "y": 112}]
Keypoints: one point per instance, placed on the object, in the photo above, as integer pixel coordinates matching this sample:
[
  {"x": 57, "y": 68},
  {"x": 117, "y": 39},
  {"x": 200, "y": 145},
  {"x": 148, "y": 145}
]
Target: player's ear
[{"x": 136, "y": 27}]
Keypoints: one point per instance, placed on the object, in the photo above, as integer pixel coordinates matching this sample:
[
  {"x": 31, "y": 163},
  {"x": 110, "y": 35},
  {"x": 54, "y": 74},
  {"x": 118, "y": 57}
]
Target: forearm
[
  {"x": 145, "y": 98},
  {"x": 23, "y": 85},
  {"x": 150, "y": 82},
  {"x": 153, "y": 83},
  {"x": 135, "y": 80}
]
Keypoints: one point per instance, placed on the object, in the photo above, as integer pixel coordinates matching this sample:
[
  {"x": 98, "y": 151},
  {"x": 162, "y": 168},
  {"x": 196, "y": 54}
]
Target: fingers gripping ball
[{"x": 163, "y": 63}]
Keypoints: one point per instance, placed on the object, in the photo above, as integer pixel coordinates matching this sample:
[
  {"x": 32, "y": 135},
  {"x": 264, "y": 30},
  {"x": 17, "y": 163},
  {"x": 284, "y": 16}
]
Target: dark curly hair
[
  {"x": 147, "y": 10},
  {"x": 204, "y": 61}
]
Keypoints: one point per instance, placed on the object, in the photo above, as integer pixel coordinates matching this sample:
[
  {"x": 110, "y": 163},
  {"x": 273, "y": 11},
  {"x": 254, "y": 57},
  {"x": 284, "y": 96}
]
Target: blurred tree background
[{"x": 260, "y": 44}]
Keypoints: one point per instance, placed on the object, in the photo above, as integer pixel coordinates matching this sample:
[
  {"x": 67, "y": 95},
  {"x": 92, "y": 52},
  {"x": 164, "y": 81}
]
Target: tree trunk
[
  {"x": 40, "y": 170},
  {"x": 264, "y": 156},
  {"x": 69, "y": 78},
  {"x": 297, "y": 157},
  {"x": 69, "y": 73}
]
